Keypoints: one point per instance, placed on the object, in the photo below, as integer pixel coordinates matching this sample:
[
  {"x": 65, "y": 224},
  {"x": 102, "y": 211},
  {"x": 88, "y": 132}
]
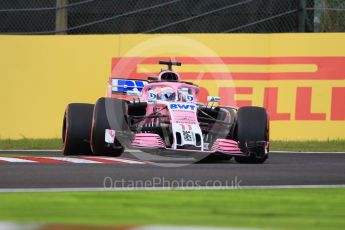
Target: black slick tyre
[
  {"x": 252, "y": 132},
  {"x": 109, "y": 113},
  {"x": 76, "y": 129}
]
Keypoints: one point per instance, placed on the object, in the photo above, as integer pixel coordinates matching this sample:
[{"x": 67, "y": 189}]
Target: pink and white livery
[{"x": 163, "y": 113}]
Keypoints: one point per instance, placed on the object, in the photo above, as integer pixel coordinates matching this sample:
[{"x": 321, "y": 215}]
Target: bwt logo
[{"x": 183, "y": 107}]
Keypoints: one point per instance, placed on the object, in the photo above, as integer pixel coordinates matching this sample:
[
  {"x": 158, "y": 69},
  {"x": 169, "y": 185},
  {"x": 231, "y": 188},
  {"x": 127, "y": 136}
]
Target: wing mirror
[
  {"x": 133, "y": 93},
  {"x": 213, "y": 99}
]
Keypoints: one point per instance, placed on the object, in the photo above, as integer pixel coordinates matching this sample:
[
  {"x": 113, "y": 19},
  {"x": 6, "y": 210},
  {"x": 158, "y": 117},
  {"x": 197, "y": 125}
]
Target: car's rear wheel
[
  {"x": 76, "y": 129},
  {"x": 252, "y": 133},
  {"x": 109, "y": 113}
]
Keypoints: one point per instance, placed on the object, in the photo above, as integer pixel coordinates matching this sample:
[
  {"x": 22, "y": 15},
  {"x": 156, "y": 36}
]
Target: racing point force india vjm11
[{"x": 163, "y": 114}]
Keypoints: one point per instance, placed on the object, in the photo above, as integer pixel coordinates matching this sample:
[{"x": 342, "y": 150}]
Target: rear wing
[{"x": 127, "y": 86}]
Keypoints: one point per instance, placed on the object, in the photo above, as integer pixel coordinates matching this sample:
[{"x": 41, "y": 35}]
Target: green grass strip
[
  {"x": 290, "y": 209},
  {"x": 29, "y": 144},
  {"x": 298, "y": 146},
  {"x": 309, "y": 146}
]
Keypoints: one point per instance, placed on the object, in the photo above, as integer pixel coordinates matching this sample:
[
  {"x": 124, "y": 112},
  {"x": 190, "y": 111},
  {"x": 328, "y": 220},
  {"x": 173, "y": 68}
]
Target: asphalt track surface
[{"x": 280, "y": 169}]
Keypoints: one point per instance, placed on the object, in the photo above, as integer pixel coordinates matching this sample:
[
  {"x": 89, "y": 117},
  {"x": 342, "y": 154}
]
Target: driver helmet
[{"x": 166, "y": 94}]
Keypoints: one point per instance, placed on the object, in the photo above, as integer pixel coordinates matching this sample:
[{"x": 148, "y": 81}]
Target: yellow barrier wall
[{"x": 300, "y": 77}]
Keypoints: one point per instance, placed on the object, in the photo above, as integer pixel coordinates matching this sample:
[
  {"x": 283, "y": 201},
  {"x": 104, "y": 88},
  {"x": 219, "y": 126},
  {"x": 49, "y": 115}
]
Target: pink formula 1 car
[{"x": 162, "y": 115}]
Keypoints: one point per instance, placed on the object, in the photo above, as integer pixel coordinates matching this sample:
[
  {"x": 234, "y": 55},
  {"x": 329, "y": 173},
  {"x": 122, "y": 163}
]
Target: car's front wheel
[
  {"x": 76, "y": 129},
  {"x": 252, "y": 131},
  {"x": 109, "y": 113}
]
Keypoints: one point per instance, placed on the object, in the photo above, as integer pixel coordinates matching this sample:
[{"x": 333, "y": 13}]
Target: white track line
[
  {"x": 16, "y": 160},
  {"x": 19, "y": 226},
  {"x": 82, "y": 159},
  {"x": 4, "y": 190},
  {"x": 121, "y": 160},
  {"x": 74, "y": 160}
]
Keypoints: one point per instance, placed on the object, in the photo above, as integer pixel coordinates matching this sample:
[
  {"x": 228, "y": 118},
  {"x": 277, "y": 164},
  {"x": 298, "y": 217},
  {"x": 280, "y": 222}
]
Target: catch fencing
[{"x": 170, "y": 16}]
